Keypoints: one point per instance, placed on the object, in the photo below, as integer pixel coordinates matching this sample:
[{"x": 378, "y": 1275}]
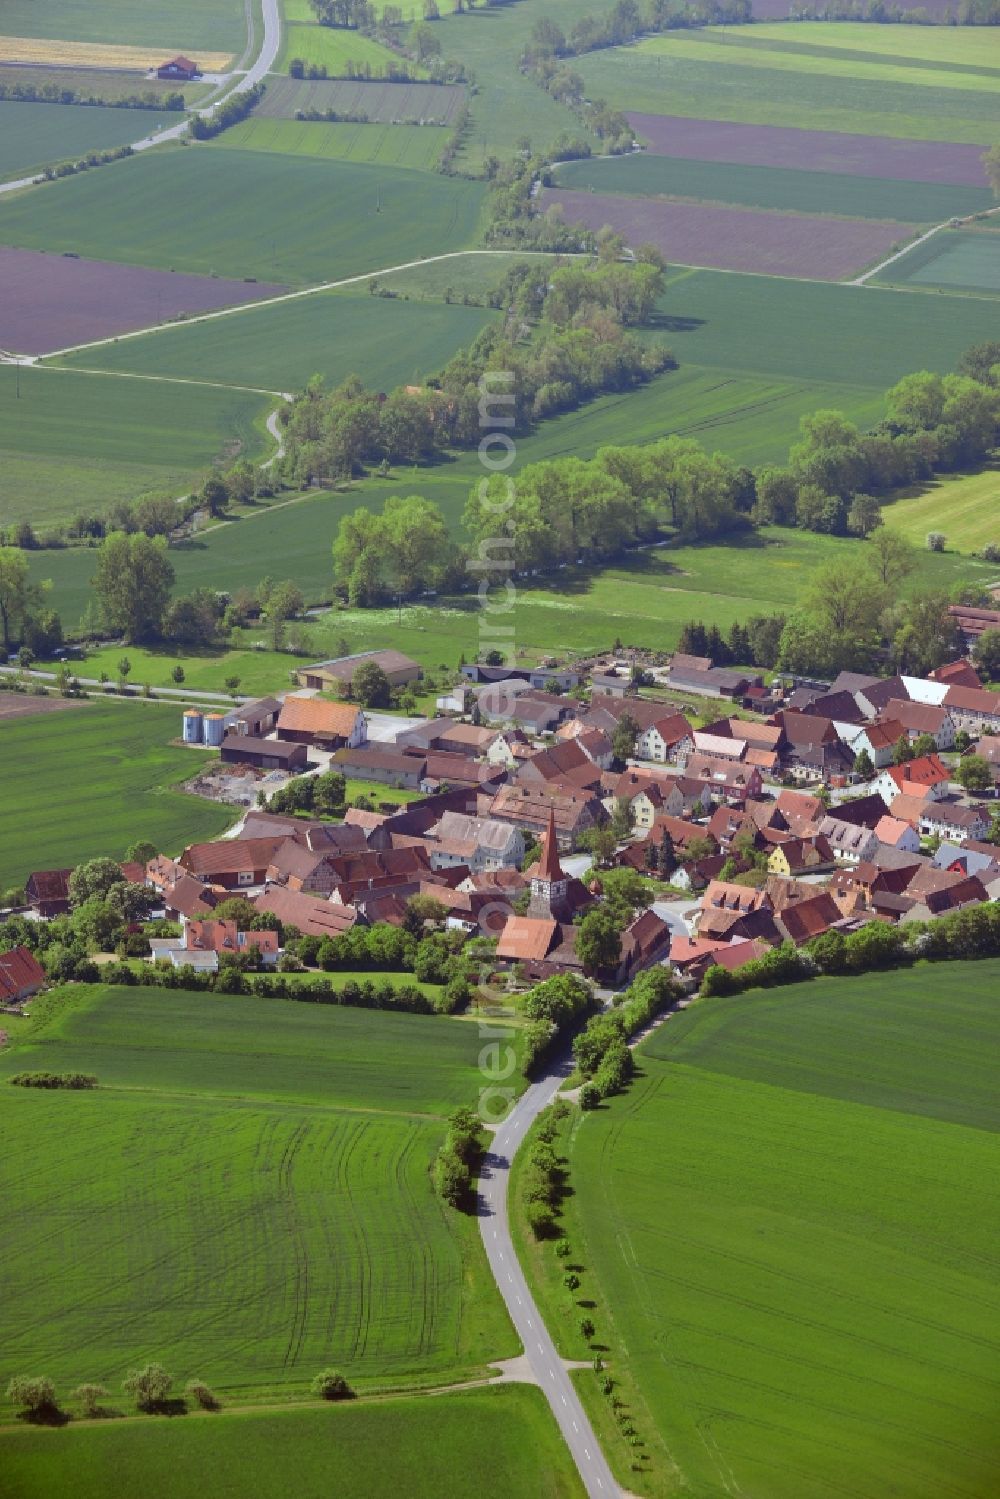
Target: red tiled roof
[
  {"x": 314, "y": 715},
  {"x": 20, "y": 971},
  {"x": 526, "y": 938}
]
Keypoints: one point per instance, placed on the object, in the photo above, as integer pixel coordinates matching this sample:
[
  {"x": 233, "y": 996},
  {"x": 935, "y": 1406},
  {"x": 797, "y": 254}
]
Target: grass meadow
[
  {"x": 212, "y": 25},
  {"x": 73, "y": 442},
  {"x": 33, "y": 136},
  {"x": 324, "y": 219},
  {"x": 827, "y": 193},
  {"x": 787, "y": 1227},
  {"x": 966, "y": 509},
  {"x": 428, "y": 1449},
  {"x": 330, "y": 47},
  {"x": 728, "y": 74},
  {"x": 91, "y": 781},
  {"x": 418, "y": 147},
  {"x": 249, "y": 1196},
  {"x": 645, "y": 601}
]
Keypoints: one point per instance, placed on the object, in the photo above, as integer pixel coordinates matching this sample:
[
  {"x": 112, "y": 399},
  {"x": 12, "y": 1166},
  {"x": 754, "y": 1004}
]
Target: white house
[
  {"x": 668, "y": 739},
  {"x": 849, "y": 842}
]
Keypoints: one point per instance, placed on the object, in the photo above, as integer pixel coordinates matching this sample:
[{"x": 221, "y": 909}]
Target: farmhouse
[
  {"x": 924, "y": 718},
  {"x": 381, "y": 762},
  {"x": 46, "y": 891},
  {"x": 974, "y": 709},
  {"x": 326, "y": 675},
  {"x": 233, "y": 863},
  {"x": 328, "y": 726},
  {"x": 668, "y": 738},
  {"x": 312, "y": 917},
  {"x": 925, "y": 777},
  {"x": 180, "y": 68},
  {"x": 21, "y": 975}
]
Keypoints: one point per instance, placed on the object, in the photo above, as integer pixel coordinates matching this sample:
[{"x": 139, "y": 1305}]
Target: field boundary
[{"x": 913, "y": 245}]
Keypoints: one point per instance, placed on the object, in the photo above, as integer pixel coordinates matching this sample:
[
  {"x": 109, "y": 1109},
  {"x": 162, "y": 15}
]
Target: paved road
[
  {"x": 180, "y": 694},
  {"x": 240, "y": 83},
  {"x": 540, "y": 1351}
]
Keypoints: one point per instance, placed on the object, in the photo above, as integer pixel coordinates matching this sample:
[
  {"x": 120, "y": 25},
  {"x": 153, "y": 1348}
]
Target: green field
[
  {"x": 387, "y": 342},
  {"x": 414, "y": 146},
  {"x": 788, "y": 1227},
  {"x": 964, "y": 260},
  {"x": 213, "y": 25},
  {"x": 91, "y": 781},
  {"x": 427, "y": 1449},
  {"x": 966, "y": 509},
  {"x": 827, "y": 193},
  {"x": 333, "y": 48},
  {"x": 247, "y": 1192},
  {"x": 74, "y": 442},
  {"x": 960, "y": 47},
  {"x": 323, "y": 219},
  {"x": 103, "y": 83},
  {"x": 645, "y": 600},
  {"x": 729, "y": 75},
  {"x": 33, "y": 136}
]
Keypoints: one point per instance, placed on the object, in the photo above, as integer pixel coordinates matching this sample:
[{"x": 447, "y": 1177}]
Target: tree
[
  {"x": 936, "y": 541},
  {"x": 982, "y": 361},
  {"x": 973, "y": 773},
  {"x": 140, "y": 852},
  {"x": 986, "y": 654},
  {"x": 926, "y": 635},
  {"x": 599, "y": 941},
  {"x": 133, "y": 579},
  {"x": 17, "y": 593},
  {"x": 623, "y": 740},
  {"x": 890, "y": 557},
  {"x": 233, "y": 687},
  {"x": 93, "y": 880},
  {"x": 124, "y": 668},
  {"x": 864, "y": 515},
  {"x": 177, "y": 675},
  {"x": 332, "y": 1385},
  {"x": 587, "y": 1328},
  {"x": 35, "y": 1395},
  {"x": 991, "y": 161},
  {"x": 148, "y": 1387},
  {"x": 202, "y": 1395},
  {"x": 90, "y": 1397},
  {"x": 370, "y": 686},
  {"x": 924, "y": 744},
  {"x": 902, "y": 750},
  {"x": 864, "y": 765}
]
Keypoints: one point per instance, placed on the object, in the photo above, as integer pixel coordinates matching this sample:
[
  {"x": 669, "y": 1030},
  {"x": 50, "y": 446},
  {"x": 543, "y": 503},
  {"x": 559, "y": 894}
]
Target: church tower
[{"x": 549, "y": 883}]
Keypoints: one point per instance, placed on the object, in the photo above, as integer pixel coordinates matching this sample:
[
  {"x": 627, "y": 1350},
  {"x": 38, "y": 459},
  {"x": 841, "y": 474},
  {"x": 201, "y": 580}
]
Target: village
[{"x": 593, "y": 821}]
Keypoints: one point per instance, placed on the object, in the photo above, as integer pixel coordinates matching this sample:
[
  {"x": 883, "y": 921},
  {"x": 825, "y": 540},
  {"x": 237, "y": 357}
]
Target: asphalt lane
[{"x": 540, "y": 1351}]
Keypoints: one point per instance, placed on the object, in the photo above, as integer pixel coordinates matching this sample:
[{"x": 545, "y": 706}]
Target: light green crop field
[
  {"x": 74, "y": 442},
  {"x": 965, "y": 260},
  {"x": 33, "y": 136},
  {"x": 416, "y": 146},
  {"x": 333, "y": 48},
  {"x": 387, "y": 342},
  {"x": 425, "y": 1448},
  {"x": 324, "y": 219},
  {"x": 966, "y": 509},
  {"x": 787, "y": 1225},
  {"x": 91, "y": 781},
  {"x": 248, "y": 1192},
  {"x": 645, "y": 600},
  {"x": 645, "y": 175},
  {"x": 801, "y": 330},
  {"x": 729, "y": 75},
  {"x": 962, "y": 46},
  {"x": 102, "y": 83},
  {"x": 213, "y": 25}
]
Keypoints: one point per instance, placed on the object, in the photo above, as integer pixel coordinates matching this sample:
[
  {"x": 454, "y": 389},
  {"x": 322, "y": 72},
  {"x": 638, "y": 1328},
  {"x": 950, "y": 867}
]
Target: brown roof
[
  {"x": 526, "y": 938},
  {"x": 548, "y": 867},
  {"x": 19, "y": 970},
  {"x": 312, "y": 916},
  {"x": 314, "y": 715},
  {"x": 972, "y": 700},
  {"x": 957, "y": 674},
  {"x": 230, "y": 855},
  {"x": 49, "y": 884},
  {"x": 809, "y": 918},
  {"x": 920, "y": 718}
]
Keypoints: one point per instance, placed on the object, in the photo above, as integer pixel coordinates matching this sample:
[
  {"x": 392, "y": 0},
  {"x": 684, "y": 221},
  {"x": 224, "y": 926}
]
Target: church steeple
[{"x": 549, "y": 881}]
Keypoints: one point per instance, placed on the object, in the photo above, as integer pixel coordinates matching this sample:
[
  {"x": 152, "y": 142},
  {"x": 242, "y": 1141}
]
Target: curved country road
[
  {"x": 540, "y": 1351},
  {"x": 258, "y": 69}
]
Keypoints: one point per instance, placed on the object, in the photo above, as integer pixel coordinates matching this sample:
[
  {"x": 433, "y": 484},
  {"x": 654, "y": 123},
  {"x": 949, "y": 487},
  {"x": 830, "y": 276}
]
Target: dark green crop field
[
  {"x": 72, "y": 442},
  {"x": 33, "y": 136},
  {"x": 214, "y": 25},
  {"x": 91, "y": 781},
  {"x": 293, "y": 220},
  {"x": 432, "y": 1448},
  {"x": 386, "y": 342},
  {"x": 647, "y": 175},
  {"x": 791, "y": 1217},
  {"x": 246, "y": 1196}
]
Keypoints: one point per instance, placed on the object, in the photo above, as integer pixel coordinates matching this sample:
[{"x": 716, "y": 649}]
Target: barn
[
  {"x": 178, "y": 68},
  {"x": 264, "y": 754}
]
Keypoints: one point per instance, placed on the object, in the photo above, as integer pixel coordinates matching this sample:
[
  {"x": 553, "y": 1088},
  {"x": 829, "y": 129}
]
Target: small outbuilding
[
  {"x": 178, "y": 69},
  {"x": 263, "y": 754}
]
